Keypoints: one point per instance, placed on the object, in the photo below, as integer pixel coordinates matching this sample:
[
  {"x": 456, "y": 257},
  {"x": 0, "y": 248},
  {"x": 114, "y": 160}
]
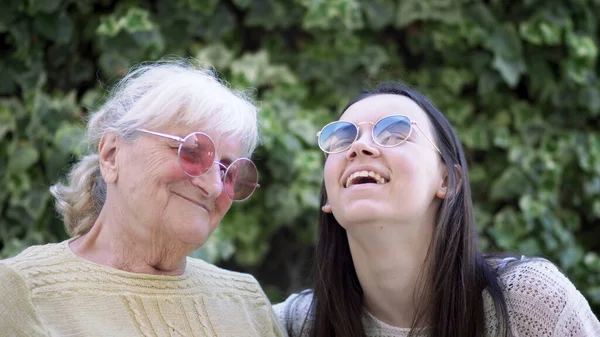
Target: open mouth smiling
[{"x": 365, "y": 177}]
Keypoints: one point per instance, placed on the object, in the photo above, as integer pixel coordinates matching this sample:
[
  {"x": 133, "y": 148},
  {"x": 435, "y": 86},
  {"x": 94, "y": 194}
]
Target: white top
[{"x": 541, "y": 301}]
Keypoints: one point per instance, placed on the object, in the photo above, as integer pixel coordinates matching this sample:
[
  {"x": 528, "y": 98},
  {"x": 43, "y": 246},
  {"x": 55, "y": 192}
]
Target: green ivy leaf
[
  {"x": 512, "y": 183},
  {"x": 22, "y": 157},
  {"x": 54, "y": 27},
  {"x": 379, "y": 13},
  {"x": 511, "y": 70},
  {"x": 43, "y": 6},
  {"x": 136, "y": 20},
  {"x": 70, "y": 138}
]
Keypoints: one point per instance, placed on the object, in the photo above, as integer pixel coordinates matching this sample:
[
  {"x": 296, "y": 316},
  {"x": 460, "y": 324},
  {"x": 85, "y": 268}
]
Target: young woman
[{"x": 397, "y": 252}]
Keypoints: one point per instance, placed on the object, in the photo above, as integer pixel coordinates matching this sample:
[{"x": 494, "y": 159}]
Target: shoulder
[
  {"x": 37, "y": 255},
  {"x": 295, "y": 312},
  {"x": 30, "y": 261},
  {"x": 516, "y": 274},
  {"x": 223, "y": 279},
  {"x": 541, "y": 298},
  {"x": 18, "y": 315},
  {"x": 204, "y": 268}
]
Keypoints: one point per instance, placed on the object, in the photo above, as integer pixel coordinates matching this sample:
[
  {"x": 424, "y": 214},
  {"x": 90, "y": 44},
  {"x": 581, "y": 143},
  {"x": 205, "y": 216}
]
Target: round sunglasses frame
[
  {"x": 357, "y": 126},
  {"x": 222, "y": 174}
]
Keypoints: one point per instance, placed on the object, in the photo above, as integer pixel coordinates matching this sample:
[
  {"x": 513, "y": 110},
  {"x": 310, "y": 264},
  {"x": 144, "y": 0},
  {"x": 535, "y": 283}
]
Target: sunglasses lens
[
  {"x": 241, "y": 179},
  {"x": 337, "y": 136},
  {"x": 196, "y": 154},
  {"x": 392, "y": 130}
]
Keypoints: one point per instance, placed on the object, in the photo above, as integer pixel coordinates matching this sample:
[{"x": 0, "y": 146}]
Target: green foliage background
[{"x": 518, "y": 80}]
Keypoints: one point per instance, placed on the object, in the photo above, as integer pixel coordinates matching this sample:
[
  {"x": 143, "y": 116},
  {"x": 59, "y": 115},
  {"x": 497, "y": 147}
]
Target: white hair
[{"x": 172, "y": 92}]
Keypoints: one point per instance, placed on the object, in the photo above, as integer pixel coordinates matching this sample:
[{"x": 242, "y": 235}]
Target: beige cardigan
[
  {"x": 541, "y": 301},
  {"x": 48, "y": 291}
]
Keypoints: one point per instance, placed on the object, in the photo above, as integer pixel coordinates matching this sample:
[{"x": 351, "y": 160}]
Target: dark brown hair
[{"x": 457, "y": 271}]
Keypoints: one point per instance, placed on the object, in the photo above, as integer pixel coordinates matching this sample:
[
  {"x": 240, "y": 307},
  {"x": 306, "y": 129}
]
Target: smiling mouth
[
  {"x": 192, "y": 201},
  {"x": 365, "y": 177}
]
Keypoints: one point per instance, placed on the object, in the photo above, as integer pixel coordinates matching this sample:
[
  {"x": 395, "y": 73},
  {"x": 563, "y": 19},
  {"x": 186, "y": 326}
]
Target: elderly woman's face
[{"x": 156, "y": 191}]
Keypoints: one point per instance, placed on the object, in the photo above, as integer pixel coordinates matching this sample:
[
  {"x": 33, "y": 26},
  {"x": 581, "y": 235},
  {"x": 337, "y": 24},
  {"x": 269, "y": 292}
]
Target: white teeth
[{"x": 376, "y": 176}]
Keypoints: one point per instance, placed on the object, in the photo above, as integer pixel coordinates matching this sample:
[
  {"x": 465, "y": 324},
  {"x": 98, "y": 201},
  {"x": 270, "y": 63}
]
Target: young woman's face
[{"x": 405, "y": 181}]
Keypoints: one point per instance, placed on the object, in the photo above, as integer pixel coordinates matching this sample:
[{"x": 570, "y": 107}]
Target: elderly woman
[{"x": 169, "y": 152}]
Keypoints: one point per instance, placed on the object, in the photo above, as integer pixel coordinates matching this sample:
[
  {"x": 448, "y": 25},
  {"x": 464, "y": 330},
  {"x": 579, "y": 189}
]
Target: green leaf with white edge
[
  {"x": 552, "y": 34},
  {"x": 583, "y": 47},
  {"x": 136, "y": 20},
  {"x": 511, "y": 70},
  {"x": 304, "y": 130},
  {"x": 379, "y": 13},
  {"x": 322, "y": 14},
  {"x": 530, "y": 31},
  {"x": 217, "y": 54},
  {"x": 70, "y": 138},
  {"x": 109, "y": 26},
  {"x": 257, "y": 70},
  {"x": 476, "y": 137},
  {"x": 531, "y": 208},
  {"x": 446, "y": 11}
]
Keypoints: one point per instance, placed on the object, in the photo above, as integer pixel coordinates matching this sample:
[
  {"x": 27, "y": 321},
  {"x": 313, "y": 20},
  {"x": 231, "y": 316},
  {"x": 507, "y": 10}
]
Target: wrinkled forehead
[{"x": 227, "y": 145}]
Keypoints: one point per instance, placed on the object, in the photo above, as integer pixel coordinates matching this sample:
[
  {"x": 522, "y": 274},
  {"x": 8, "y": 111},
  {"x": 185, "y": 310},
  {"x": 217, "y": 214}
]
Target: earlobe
[
  {"x": 443, "y": 188},
  {"x": 326, "y": 208},
  {"x": 107, "y": 150},
  {"x": 442, "y": 192}
]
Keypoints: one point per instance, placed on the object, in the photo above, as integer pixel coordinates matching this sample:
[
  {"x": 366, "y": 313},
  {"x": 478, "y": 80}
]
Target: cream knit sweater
[
  {"x": 48, "y": 291},
  {"x": 541, "y": 302}
]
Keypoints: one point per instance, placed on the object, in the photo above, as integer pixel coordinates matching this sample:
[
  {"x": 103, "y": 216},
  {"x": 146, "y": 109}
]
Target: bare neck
[
  {"x": 389, "y": 260},
  {"x": 120, "y": 243}
]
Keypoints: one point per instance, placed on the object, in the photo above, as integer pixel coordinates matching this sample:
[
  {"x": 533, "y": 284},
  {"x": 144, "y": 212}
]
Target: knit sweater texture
[
  {"x": 541, "y": 302},
  {"x": 49, "y": 291}
]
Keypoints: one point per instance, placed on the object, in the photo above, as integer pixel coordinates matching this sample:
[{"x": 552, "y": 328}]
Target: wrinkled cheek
[{"x": 222, "y": 204}]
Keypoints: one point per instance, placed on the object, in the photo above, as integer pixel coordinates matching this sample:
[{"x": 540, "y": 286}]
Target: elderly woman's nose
[{"x": 210, "y": 182}]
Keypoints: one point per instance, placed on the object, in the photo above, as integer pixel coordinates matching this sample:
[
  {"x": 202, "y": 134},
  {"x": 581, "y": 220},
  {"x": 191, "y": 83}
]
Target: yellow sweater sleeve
[{"x": 18, "y": 316}]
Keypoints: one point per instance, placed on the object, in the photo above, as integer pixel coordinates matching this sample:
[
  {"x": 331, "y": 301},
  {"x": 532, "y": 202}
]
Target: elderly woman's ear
[{"x": 107, "y": 150}]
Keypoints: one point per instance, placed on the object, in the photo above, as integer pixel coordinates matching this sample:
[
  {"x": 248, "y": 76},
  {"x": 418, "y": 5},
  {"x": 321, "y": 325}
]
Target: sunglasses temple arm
[
  {"x": 247, "y": 183},
  {"x": 429, "y": 139},
  {"x": 175, "y": 138}
]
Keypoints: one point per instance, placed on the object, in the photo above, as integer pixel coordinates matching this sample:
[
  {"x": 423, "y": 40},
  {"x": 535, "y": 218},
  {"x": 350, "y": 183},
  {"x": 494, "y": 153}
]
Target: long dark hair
[{"x": 456, "y": 270}]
